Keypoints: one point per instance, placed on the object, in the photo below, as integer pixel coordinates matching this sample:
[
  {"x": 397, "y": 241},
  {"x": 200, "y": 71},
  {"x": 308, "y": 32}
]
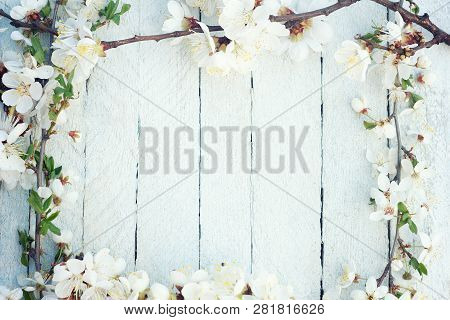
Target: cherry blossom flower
[
  {"x": 159, "y": 292},
  {"x": 348, "y": 276},
  {"x": 28, "y": 9},
  {"x": 266, "y": 287},
  {"x": 11, "y": 163},
  {"x": 19, "y": 36},
  {"x": 7, "y": 294},
  {"x": 23, "y": 92},
  {"x": 180, "y": 19},
  {"x": 416, "y": 113},
  {"x": 355, "y": 58},
  {"x": 372, "y": 292},
  {"x": 431, "y": 247},
  {"x": 139, "y": 281},
  {"x": 37, "y": 283},
  {"x": 239, "y": 14},
  {"x": 121, "y": 290},
  {"x": 394, "y": 30},
  {"x": 415, "y": 176},
  {"x": 69, "y": 279},
  {"x": 383, "y": 161},
  {"x": 207, "y": 7},
  {"x": 385, "y": 129},
  {"x": 387, "y": 197}
]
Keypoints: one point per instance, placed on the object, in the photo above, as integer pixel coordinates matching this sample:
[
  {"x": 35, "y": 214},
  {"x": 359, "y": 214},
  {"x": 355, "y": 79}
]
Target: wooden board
[{"x": 348, "y": 234}]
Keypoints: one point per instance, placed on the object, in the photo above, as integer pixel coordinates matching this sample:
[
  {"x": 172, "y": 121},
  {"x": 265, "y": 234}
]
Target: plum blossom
[
  {"x": 387, "y": 197},
  {"x": 372, "y": 291},
  {"x": 139, "y": 281},
  {"x": 180, "y": 19},
  {"x": 23, "y": 91},
  {"x": 17, "y": 35},
  {"x": 383, "y": 161},
  {"x": 415, "y": 176},
  {"x": 28, "y": 9},
  {"x": 431, "y": 247},
  {"x": 237, "y": 15},
  {"x": 11, "y": 163},
  {"x": 266, "y": 287},
  {"x": 69, "y": 279},
  {"x": 355, "y": 58},
  {"x": 207, "y": 7},
  {"x": 348, "y": 276},
  {"x": 37, "y": 283},
  {"x": 7, "y": 294}
]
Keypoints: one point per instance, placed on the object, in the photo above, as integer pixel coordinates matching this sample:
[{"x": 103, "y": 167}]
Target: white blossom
[
  {"x": 355, "y": 58},
  {"x": 431, "y": 247},
  {"x": 179, "y": 19},
  {"x": 372, "y": 292},
  {"x": 23, "y": 93},
  {"x": 28, "y": 9},
  {"x": 207, "y": 7},
  {"x": 7, "y": 294}
]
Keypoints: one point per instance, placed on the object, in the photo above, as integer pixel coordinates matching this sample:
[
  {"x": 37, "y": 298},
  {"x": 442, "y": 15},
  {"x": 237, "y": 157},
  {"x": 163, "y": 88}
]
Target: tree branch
[
  {"x": 38, "y": 26},
  {"x": 439, "y": 35}
]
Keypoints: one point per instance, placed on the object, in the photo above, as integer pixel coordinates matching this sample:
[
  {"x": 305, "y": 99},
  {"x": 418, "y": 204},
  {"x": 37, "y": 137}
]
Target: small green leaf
[
  {"x": 402, "y": 207},
  {"x": 422, "y": 269},
  {"x": 38, "y": 52},
  {"x": 54, "y": 229},
  {"x": 414, "y": 263},
  {"x": 412, "y": 226},
  {"x": 24, "y": 260},
  {"x": 53, "y": 216},
  {"x": 46, "y": 11},
  {"x": 125, "y": 8},
  {"x": 369, "y": 125},
  {"x": 47, "y": 203},
  {"x": 116, "y": 19},
  {"x": 36, "y": 202}
]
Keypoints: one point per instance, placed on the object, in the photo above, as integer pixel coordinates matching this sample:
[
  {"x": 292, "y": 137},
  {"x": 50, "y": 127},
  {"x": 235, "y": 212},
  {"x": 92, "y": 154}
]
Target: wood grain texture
[
  {"x": 111, "y": 123},
  {"x": 437, "y": 154},
  {"x": 225, "y": 207},
  {"x": 168, "y": 223},
  {"x": 14, "y": 209},
  {"x": 286, "y": 218},
  {"x": 348, "y": 234}
]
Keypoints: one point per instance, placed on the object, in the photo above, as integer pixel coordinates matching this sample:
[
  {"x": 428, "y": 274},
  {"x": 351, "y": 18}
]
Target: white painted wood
[
  {"x": 438, "y": 152},
  {"x": 286, "y": 217},
  {"x": 348, "y": 234},
  {"x": 225, "y": 198},
  {"x": 202, "y": 219},
  {"x": 111, "y": 123},
  {"x": 168, "y": 223},
  {"x": 14, "y": 209}
]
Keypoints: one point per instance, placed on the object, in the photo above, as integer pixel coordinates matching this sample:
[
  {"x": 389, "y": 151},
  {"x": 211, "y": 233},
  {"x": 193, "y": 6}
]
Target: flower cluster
[
  {"x": 400, "y": 170},
  {"x": 246, "y": 32},
  {"x": 100, "y": 277}
]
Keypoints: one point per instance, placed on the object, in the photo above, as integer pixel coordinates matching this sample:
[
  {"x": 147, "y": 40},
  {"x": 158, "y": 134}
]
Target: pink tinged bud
[{"x": 75, "y": 135}]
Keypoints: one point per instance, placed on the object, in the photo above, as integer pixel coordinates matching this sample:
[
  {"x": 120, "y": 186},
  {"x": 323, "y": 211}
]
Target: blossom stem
[
  {"x": 397, "y": 178},
  {"x": 439, "y": 35},
  {"x": 38, "y": 26}
]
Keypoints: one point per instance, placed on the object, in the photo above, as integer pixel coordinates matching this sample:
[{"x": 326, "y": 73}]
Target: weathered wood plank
[
  {"x": 225, "y": 196},
  {"x": 286, "y": 218},
  {"x": 168, "y": 223},
  {"x": 348, "y": 234},
  {"x": 14, "y": 209},
  {"x": 111, "y": 123},
  {"x": 437, "y": 154}
]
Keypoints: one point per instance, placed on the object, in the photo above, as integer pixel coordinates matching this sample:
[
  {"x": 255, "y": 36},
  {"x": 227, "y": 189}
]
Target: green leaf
[
  {"x": 402, "y": 207},
  {"x": 44, "y": 227},
  {"x": 47, "y": 203},
  {"x": 422, "y": 269},
  {"x": 53, "y": 216},
  {"x": 125, "y": 8},
  {"x": 414, "y": 263},
  {"x": 46, "y": 11},
  {"x": 406, "y": 84},
  {"x": 414, "y": 98},
  {"x": 38, "y": 52},
  {"x": 49, "y": 163},
  {"x": 412, "y": 226},
  {"x": 369, "y": 125},
  {"x": 414, "y": 162},
  {"x": 24, "y": 259},
  {"x": 36, "y": 202},
  {"x": 60, "y": 80},
  {"x": 372, "y": 202},
  {"x": 54, "y": 229},
  {"x": 116, "y": 19}
]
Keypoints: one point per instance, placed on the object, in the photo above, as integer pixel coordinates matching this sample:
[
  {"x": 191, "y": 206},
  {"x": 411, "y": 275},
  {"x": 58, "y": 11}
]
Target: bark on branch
[{"x": 439, "y": 35}]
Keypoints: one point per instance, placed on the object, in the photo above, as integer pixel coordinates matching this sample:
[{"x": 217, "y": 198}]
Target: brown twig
[
  {"x": 34, "y": 25},
  {"x": 439, "y": 35}
]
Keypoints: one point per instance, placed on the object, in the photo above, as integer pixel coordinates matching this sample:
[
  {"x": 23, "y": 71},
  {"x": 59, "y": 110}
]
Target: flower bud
[
  {"x": 74, "y": 135},
  {"x": 139, "y": 281}
]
